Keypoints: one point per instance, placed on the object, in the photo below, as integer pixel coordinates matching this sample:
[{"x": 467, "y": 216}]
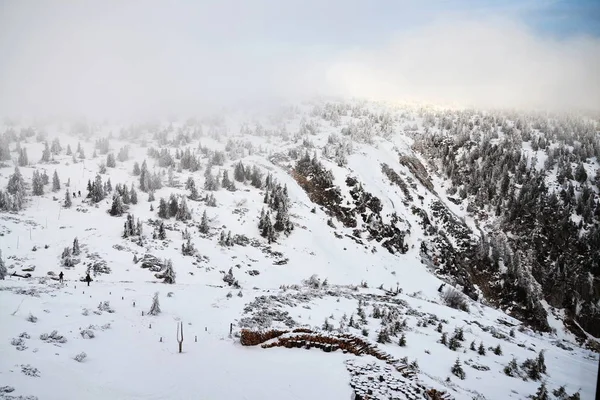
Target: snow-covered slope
[{"x": 355, "y": 253}]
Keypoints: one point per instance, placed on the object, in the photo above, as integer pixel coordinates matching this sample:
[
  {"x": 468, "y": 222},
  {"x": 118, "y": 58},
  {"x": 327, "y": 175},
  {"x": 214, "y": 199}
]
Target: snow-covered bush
[
  {"x": 313, "y": 282},
  {"x": 53, "y": 337},
  {"x": 80, "y": 357},
  {"x": 28, "y": 370},
  {"x": 19, "y": 343},
  {"x": 32, "y": 318},
  {"x": 105, "y": 306},
  {"x": 455, "y": 299},
  {"x": 87, "y": 334}
]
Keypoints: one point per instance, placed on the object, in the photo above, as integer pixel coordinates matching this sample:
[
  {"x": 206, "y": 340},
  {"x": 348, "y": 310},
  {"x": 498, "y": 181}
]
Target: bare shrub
[{"x": 455, "y": 299}]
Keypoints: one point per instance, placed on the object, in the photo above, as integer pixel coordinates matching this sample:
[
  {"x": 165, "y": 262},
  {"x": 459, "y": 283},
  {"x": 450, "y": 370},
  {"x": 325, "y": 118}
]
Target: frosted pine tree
[
  {"x": 155, "y": 308},
  {"x": 55, "y": 182},
  {"x": 76, "y": 249},
  {"x": 204, "y": 227},
  {"x": 68, "y": 202},
  {"x": 37, "y": 184}
]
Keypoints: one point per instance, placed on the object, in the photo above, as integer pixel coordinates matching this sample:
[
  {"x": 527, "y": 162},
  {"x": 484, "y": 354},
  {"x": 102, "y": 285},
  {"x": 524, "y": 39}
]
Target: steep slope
[{"x": 278, "y": 221}]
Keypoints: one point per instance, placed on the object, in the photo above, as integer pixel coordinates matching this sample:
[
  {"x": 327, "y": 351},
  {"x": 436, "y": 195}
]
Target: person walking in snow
[
  {"x": 60, "y": 277},
  {"x": 88, "y": 279}
]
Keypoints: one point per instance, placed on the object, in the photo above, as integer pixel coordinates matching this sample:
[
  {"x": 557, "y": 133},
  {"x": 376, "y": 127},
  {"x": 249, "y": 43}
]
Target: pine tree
[
  {"x": 168, "y": 274},
  {"x": 444, "y": 339},
  {"x": 173, "y": 206},
  {"x": 155, "y": 308},
  {"x": 183, "y": 212},
  {"x": 458, "y": 370},
  {"x": 46, "y": 153},
  {"x": 23, "y": 160},
  {"x": 97, "y": 189},
  {"x": 402, "y": 341},
  {"x": 163, "y": 209},
  {"x": 37, "y": 184},
  {"x": 69, "y": 151},
  {"x": 580, "y": 174},
  {"x": 56, "y": 148},
  {"x": 162, "y": 233},
  {"x": 133, "y": 195},
  {"x": 55, "y": 182},
  {"x": 76, "y": 249},
  {"x": 136, "y": 169},
  {"x": 498, "y": 350},
  {"x": 204, "y": 227},
  {"x": 117, "y": 208},
  {"x": 68, "y": 202},
  {"x": 542, "y": 393},
  {"x": 541, "y": 362},
  {"x": 481, "y": 349},
  {"x": 110, "y": 161},
  {"x": 45, "y": 178}
]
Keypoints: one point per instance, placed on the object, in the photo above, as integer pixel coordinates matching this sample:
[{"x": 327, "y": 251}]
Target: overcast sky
[{"x": 109, "y": 58}]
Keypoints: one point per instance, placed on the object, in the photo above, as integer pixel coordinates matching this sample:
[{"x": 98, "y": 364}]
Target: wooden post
[
  {"x": 180, "y": 340},
  {"x": 230, "y": 328}
]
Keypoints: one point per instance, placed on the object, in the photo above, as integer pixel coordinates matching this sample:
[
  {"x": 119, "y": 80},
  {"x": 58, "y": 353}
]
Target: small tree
[
  {"x": 117, "y": 208},
  {"x": 110, "y": 161},
  {"x": 498, "y": 350},
  {"x": 383, "y": 336},
  {"x": 444, "y": 339},
  {"x": 458, "y": 370},
  {"x": 68, "y": 202},
  {"x": 327, "y": 326},
  {"x": 402, "y": 341},
  {"x": 481, "y": 349},
  {"x": 76, "y": 249},
  {"x": 55, "y": 182},
  {"x": 512, "y": 369},
  {"x": 542, "y": 393},
  {"x": 155, "y": 308},
  {"x": 204, "y": 227}
]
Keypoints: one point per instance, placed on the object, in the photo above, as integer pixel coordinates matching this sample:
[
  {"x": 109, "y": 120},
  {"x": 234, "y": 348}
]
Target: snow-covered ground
[{"x": 135, "y": 355}]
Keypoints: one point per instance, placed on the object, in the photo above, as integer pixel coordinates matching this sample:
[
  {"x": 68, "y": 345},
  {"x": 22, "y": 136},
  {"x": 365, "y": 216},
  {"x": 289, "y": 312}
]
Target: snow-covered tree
[
  {"x": 183, "y": 212},
  {"x": 168, "y": 274},
  {"x": 155, "y": 308},
  {"x": 68, "y": 202},
  {"x": 133, "y": 198},
  {"x": 204, "y": 226},
  {"x": 111, "y": 162},
  {"x": 37, "y": 184},
  {"x": 117, "y": 209},
  {"x": 46, "y": 153},
  {"x": 55, "y": 182},
  {"x": 76, "y": 249}
]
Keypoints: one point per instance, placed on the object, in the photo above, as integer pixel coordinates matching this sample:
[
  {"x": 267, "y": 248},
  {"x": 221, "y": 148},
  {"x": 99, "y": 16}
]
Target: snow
[{"x": 129, "y": 360}]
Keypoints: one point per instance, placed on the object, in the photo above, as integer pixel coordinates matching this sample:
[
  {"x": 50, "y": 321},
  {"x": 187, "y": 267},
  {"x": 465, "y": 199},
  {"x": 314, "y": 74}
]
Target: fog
[{"x": 137, "y": 59}]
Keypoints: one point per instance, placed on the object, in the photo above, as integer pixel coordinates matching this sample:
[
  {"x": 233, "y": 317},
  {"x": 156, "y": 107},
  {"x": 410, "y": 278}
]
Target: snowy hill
[{"x": 340, "y": 218}]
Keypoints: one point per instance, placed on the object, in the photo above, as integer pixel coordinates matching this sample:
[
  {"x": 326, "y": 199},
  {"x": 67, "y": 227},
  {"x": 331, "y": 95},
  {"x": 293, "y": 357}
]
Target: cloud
[
  {"x": 491, "y": 63},
  {"x": 122, "y": 59}
]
